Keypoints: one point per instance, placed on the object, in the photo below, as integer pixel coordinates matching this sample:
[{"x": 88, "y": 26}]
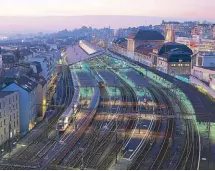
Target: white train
[{"x": 67, "y": 115}]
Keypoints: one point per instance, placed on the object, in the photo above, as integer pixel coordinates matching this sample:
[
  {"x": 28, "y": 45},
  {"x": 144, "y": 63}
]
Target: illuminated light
[
  {"x": 213, "y": 86},
  {"x": 44, "y": 102}
]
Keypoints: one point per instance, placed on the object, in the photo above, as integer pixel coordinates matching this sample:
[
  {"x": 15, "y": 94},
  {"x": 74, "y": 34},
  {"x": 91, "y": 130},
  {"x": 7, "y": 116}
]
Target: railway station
[{"x": 114, "y": 113}]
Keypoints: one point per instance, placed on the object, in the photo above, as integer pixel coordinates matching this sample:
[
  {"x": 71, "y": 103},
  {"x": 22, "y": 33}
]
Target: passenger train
[
  {"x": 98, "y": 78},
  {"x": 99, "y": 81},
  {"x": 71, "y": 110},
  {"x": 82, "y": 126}
]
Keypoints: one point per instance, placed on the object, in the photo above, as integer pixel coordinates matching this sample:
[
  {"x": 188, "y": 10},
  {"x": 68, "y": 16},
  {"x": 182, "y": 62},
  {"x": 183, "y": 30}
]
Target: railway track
[
  {"x": 86, "y": 141},
  {"x": 57, "y": 154},
  {"x": 91, "y": 156},
  {"x": 166, "y": 144},
  {"x": 139, "y": 159},
  {"x": 187, "y": 159},
  {"x": 95, "y": 141},
  {"x": 128, "y": 95},
  {"x": 201, "y": 104},
  {"x": 33, "y": 152}
]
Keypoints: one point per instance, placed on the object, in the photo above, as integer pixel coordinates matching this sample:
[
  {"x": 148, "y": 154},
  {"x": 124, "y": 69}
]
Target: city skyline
[
  {"x": 107, "y": 85},
  {"x": 54, "y": 15}
]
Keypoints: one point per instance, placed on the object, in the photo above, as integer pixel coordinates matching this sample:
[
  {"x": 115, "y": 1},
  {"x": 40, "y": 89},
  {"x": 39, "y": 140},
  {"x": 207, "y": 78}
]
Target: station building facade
[{"x": 149, "y": 47}]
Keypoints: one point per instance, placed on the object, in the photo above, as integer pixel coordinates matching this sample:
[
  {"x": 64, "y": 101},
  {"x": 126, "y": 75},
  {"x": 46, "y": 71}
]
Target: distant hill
[{"x": 56, "y": 23}]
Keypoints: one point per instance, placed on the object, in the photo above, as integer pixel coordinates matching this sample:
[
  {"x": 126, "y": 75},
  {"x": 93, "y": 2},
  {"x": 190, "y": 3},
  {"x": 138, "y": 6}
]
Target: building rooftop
[
  {"x": 207, "y": 53},
  {"x": 143, "y": 49},
  {"x": 177, "y": 57},
  {"x": 37, "y": 65},
  {"x": 39, "y": 79},
  {"x": 171, "y": 47},
  {"x": 146, "y": 35},
  {"x": 209, "y": 68},
  {"x": 119, "y": 40},
  {"x": 5, "y": 93},
  {"x": 175, "y": 52},
  {"x": 25, "y": 52},
  {"x": 122, "y": 42},
  {"x": 21, "y": 81},
  {"x": 8, "y": 58}
]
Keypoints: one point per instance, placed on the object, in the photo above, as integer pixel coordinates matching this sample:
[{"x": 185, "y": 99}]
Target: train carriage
[
  {"x": 98, "y": 78},
  {"x": 67, "y": 116},
  {"x": 100, "y": 81}
]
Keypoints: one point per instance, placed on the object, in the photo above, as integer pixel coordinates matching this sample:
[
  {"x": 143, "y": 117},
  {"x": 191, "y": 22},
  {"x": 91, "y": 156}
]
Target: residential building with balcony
[
  {"x": 9, "y": 115},
  {"x": 27, "y": 90},
  {"x": 48, "y": 62},
  {"x": 41, "y": 94}
]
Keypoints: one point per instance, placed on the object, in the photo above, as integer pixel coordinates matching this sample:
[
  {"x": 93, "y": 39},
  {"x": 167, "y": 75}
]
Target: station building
[
  {"x": 80, "y": 51},
  {"x": 9, "y": 115},
  {"x": 173, "y": 58},
  {"x": 149, "y": 47}
]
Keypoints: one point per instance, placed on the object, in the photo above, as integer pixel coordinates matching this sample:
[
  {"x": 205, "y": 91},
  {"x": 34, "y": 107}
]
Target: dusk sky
[{"x": 35, "y": 9}]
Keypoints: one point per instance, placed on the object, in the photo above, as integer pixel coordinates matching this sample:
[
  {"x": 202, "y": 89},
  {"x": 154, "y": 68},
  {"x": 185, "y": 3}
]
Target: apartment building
[{"x": 9, "y": 115}]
